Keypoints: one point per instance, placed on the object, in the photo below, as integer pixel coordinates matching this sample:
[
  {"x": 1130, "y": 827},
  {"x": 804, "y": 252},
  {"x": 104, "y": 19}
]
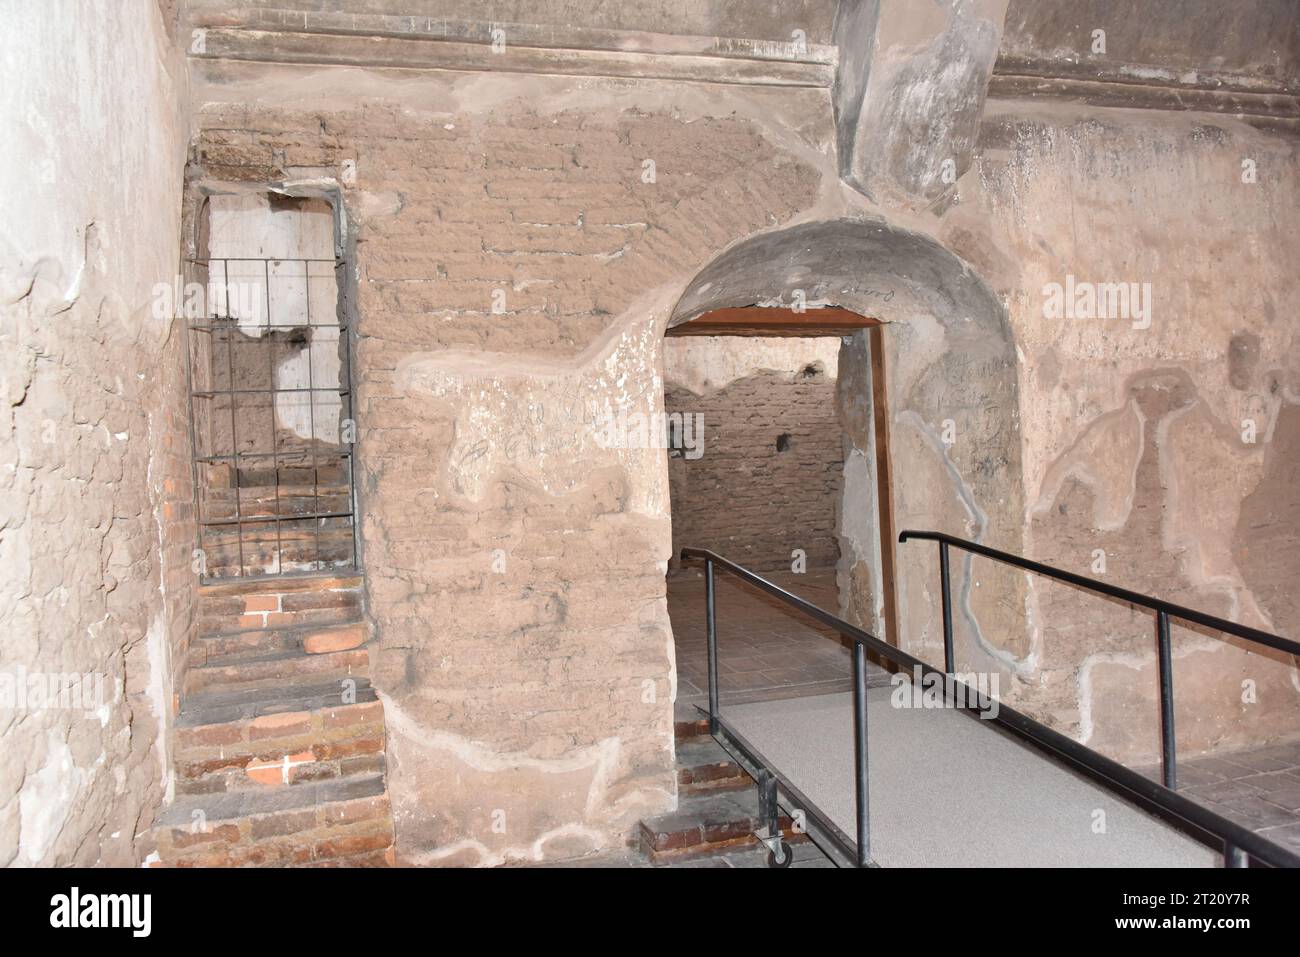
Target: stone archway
[{"x": 951, "y": 419}]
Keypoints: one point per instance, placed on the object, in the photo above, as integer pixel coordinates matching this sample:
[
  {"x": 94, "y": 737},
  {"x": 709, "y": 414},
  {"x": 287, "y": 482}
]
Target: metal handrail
[
  {"x": 1240, "y": 844},
  {"x": 1114, "y": 591},
  {"x": 1165, "y": 610}
]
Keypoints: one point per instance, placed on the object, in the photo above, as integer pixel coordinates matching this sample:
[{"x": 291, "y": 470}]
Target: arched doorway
[
  {"x": 927, "y": 394},
  {"x": 755, "y": 472}
]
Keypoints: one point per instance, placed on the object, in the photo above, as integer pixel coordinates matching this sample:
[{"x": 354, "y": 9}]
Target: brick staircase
[
  {"x": 717, "y": 812},
  {"x": 278, "y": 751}
]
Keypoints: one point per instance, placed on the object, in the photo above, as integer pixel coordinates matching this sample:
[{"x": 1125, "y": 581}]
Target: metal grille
[{"x": 271, "y": 418}]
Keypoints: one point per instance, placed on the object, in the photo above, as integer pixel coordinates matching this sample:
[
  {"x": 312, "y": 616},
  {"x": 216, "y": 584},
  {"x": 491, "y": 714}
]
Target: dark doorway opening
[{"x": 763, "y": 488}]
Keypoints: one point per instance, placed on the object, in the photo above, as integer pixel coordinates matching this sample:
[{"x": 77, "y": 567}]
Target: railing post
[
  {"x": 1233, "y": 856},
  {"x": 1168, "y": 744},
  {"x": 860, "y": 752},
  {"x": 945, "y": 578},
  {"x": 769, "y": 810},
  {"x": 711, "y": 612}
]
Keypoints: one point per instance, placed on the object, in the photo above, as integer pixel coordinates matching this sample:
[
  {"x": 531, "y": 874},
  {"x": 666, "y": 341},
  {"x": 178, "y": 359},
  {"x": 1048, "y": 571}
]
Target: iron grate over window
[{"x": 271, "y": 418}]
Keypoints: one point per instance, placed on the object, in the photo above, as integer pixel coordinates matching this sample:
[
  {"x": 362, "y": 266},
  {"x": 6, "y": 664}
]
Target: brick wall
[
  {"x": 512, "y": 566},
  {"x": 769, "y": 478},
  {"x": 174, "y": 509}
]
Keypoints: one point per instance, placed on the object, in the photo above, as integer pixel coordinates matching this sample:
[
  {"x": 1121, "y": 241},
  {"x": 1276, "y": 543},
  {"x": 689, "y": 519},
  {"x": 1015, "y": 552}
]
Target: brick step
[
  {"x": 298, "y": 540},
  {"x": 290, "y": 507},
  {"x": 226, "y": 740},
  {"x": 293, "y": 531},
  {"x": 279, "y": 586},
  {"x": 297, "y": 526},
  {"x": 229, "y": 647},
  {"x": 688, "y": 728},
  {"x": 292, "y": 554},
  {"x": 269, "y": 490},
  {"x": 294, "y": 512},
  {"x": 270, "y": 493},
  {"x": 338, "y": 821},
  {"x": 704, "y": 823},
  {"x": 282, "y": 765},
  {"x": 704, "y": 765},
  {"x": 805, "y": 854},
  {"x": 295, "y": 469},
  {"x": 261, "y": 544},
  {"x": 233, "y": 571},
  {"x": 282, "y": 601},
  {"x": 689, "y": 723},
  {"x": 210, "y": 625},
  {"x": 230, "y": 675},
  {"x": 227, "y": 717}
]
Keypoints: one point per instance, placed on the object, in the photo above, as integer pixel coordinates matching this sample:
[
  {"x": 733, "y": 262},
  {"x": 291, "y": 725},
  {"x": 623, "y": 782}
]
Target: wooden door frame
[{"x": 779, "y": 322}]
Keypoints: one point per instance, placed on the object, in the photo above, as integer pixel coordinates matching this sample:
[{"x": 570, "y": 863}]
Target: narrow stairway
[
  {"x": 278, "y": 751},
  {"x": 717, "y": 812}
]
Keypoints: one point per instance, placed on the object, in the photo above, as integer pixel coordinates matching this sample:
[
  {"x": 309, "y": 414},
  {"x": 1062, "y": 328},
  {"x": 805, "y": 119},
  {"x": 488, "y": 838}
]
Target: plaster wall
[
  {"x": 95, "y": 515},
  {"x": 515, "y": 269},
  {"x": 1159, "y": 451}
]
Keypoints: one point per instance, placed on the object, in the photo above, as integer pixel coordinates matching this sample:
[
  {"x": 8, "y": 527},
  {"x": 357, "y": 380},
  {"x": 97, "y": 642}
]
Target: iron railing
[
  {"x": 1240, "y": 845},
  {"x": 221, "y": 325},
  {"x": 1165, "y": 610}
]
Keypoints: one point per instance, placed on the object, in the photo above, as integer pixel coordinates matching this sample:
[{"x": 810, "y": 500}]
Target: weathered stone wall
[
  {"x": 516, "y": 260},
  {"x": 1159, "y": 451},
  {"x": 515, "y": 267},
  {"x": 765, "y": 477},
  {"x": 95, "y": 515}
]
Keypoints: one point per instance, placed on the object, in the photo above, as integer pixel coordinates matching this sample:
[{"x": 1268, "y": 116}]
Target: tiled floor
[
  {"x": 765, "y": 648},
  {"x": 1259, "y": 788}
]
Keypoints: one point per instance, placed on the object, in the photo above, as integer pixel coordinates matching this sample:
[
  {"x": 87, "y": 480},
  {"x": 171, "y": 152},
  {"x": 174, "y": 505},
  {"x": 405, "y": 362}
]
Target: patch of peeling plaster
[
  {"x": 1114, "y": 440},
  {"x": 980, "y": 520},
  {"x": 546, "y": 418},
  {"x": 602, "y": 759}
]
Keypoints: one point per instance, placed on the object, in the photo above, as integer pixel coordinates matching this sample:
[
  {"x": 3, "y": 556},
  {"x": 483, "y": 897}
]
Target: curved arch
[
  {"x": 866, "y": 266},
  {"x": 950, "y": 417}
]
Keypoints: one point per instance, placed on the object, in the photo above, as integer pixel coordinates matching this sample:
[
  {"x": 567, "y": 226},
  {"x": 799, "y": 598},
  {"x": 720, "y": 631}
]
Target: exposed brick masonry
[
  {"x": 770, "y": 477},
  {"x": 552, "y": 211},
  {"x": 279, "y": 748}
]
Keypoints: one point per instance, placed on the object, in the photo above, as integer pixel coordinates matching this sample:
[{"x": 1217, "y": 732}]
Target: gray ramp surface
[{"x": 950, "y": 791}]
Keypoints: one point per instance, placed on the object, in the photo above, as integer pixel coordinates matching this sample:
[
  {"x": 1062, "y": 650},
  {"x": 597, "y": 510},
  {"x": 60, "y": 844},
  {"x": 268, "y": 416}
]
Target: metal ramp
[
  {"x": 1044, "y": 765},
  {"x": 946, "y": 792}
]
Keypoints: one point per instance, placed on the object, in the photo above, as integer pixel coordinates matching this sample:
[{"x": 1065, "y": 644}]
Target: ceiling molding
[{"x": 429, "y": 43}]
